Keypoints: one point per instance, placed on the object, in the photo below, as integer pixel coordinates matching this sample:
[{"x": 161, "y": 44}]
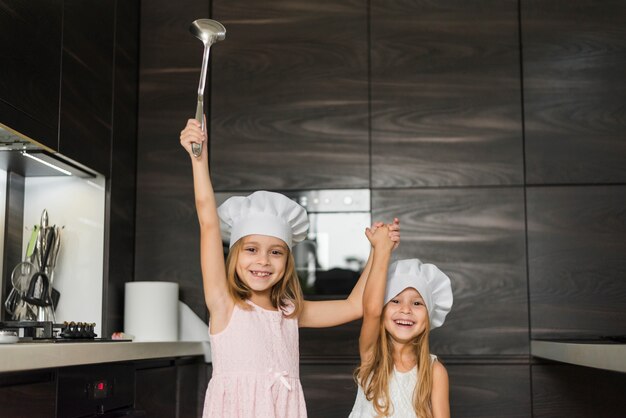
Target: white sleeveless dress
[{"x": 401, "y": 388}]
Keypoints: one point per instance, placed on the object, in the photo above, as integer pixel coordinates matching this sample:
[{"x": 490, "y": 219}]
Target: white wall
[
  {"x": 3, "y": 201},
  {"x": 78, "y": 205}
]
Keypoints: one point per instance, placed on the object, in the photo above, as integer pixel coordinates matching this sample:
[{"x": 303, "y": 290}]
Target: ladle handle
[{"x": 196, "y": 149}]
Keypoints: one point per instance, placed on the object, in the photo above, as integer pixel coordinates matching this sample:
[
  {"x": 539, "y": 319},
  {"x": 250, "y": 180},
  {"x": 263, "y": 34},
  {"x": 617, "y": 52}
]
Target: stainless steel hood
[{"x": 21, "y": 156}]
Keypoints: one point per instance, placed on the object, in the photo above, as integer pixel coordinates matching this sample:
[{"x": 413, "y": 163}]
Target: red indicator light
[{"x": 100, "y": 386}]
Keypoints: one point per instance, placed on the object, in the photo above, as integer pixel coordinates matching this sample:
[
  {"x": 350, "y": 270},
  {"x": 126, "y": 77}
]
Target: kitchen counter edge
[
  {"x": 601, "y": 356},
  {"x": 33, "y": 356}
]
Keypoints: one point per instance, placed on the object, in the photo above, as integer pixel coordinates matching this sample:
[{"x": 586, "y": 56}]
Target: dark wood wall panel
[
  {"x": 122, "y": 186},
  {"x": 578, "y": 392},
  {"x": 330, "y": 343},
  {"x": 446, "y": 104},
  {"x": 479, "y": 391},
  {"x": 482, "y": 391},
  {"x": 167, "y": 236},
  {"x": 574, "y": 90},
  {"x": 329, "y": 389},
  {"x": 577, "y": 267},
  {"x": 289, "y": 102},
  {"x": 477, "y": 237}
]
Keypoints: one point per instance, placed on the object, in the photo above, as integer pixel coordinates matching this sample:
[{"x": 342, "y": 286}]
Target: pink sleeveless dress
[{"x": 256, "y": 369}]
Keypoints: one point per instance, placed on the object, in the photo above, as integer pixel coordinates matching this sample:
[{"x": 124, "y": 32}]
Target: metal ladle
[{"x": 209, "y": 31}]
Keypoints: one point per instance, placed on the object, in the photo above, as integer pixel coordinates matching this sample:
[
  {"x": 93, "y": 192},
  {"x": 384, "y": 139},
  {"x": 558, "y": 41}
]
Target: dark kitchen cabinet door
[
  {"x": 155, "y": 391},
  {"x": 87, "y": 82},
  {"x": 31, "y": 395},
  {"x": 31, "y": 66}
]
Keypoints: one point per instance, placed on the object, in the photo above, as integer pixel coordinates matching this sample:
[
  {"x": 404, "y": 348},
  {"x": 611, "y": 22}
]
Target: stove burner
[
  {"x": 78, "y": 330},
  {"x": 45, "y": 330}
]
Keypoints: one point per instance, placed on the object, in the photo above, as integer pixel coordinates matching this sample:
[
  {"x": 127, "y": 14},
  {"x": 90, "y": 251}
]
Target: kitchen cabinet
[
  {"x": 155, "y": 390},
  {"x": 87, "y": 82},
  {"x": 28, "y": 395},
  {"x": 169, "y": 388},
  {"x": 31, "y": 68},
  {"x": 58, "y": 88},
  {"x": 161, "y": 387}
]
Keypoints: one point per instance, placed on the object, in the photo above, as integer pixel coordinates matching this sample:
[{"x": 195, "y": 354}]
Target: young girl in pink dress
[{"x": 255, "y": 300}]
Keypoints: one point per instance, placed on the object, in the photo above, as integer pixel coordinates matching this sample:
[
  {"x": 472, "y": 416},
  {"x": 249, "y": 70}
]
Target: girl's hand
[
  {"x": 193, "y": 133},
  {"x": 394, "y": 232},
  {"x": 380, "y": 238}
]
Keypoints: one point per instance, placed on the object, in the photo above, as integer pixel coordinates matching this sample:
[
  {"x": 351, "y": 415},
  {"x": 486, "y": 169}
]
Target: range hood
[{"x": 28, "y": 159}]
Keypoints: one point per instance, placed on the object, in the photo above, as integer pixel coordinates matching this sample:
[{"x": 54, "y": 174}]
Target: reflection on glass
[{"x": 330, "y": 260}]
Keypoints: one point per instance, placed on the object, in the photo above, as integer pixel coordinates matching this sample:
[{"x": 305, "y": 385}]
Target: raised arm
[
  {"x": 374, "y": 293},
  {"x": 330, "y": 313},
  {"x": 216, "y": 296}
]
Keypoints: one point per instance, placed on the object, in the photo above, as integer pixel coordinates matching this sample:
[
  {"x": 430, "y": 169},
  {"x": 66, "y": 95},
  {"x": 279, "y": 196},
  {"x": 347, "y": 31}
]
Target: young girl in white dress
[{"x": 398, "y": 377}]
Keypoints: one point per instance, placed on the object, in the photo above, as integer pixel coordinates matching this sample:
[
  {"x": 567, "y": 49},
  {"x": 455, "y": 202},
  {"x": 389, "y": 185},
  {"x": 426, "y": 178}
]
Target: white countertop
[
  {"x": 30, "y": 356},
  {"x": 601, "y": 356}
]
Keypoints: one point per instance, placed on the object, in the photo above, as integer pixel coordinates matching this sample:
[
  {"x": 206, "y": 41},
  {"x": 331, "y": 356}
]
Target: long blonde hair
[
  {"x": 373, "y": 375},
  {"x": 286, "y": 292}
]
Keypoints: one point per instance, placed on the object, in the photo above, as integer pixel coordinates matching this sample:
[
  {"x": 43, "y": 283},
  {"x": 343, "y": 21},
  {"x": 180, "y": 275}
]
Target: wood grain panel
[
  {"x": 576, "y": 247},
  {"x": 329, "y": 389},
  {"x": 87, "y": 82},
  {"x": 341, "y": 342},
  {"x": 289, "y": 102},
  {"x": 445, "y": 93},
  {"x": 122, "y": 183},
  {"x": 574, "y": 90},
  {"x": 475, "y": 391},
  {"x": 489, "y": 391},
  {"x": 167, "y": 238},
  {"x": 577, "y": 392},
  {"x": 477, "y": 237}
]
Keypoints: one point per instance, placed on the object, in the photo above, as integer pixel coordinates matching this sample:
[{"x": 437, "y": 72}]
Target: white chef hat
[
  {"x": 263, "y": 213},
  {"x": 432, "y": 284}
]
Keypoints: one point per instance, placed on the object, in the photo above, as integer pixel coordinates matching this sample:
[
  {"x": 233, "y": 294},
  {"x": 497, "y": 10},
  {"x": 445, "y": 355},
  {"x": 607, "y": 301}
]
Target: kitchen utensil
[
  {"x": 15, "y": 295},
  {"x": 40, "y": 295},
  {"x": 20, "y": 279},
  {"x": 209, "y": 32}
]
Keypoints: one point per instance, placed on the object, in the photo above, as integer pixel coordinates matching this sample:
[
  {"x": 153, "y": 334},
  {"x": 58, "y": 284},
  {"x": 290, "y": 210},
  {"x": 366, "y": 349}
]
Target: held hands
[
  {"x": 384, "y": 237},
  {"x": 193, "y": 133}
]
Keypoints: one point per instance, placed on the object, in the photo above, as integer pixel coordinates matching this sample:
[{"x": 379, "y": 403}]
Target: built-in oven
[
  {"x": 101, "y": 390},
  {"x": 331, "y": 258}
]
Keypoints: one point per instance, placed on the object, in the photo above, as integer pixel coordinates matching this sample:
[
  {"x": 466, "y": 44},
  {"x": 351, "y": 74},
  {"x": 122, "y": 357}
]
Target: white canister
[{"x": 151, "y": 311}]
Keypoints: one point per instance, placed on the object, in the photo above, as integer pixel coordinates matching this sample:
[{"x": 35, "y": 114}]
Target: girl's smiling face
[
  {"x": 261, "y": 262},
  {"x": 405, "y": 316}
]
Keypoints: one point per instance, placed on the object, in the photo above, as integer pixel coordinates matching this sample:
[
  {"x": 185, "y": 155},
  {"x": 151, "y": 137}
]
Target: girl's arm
[
  {"x": 374, "y": 293},
  {"x": 440, "y": 394},
  {"x": 216, "y": 296},
  {"x": 330, "y": 313}
]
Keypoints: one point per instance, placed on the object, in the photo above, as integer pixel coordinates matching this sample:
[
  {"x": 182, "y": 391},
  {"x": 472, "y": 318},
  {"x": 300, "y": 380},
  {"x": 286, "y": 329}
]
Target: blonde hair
[
  {"x": 373, "y": 375},
  {"x": 284, "y": 293}
]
